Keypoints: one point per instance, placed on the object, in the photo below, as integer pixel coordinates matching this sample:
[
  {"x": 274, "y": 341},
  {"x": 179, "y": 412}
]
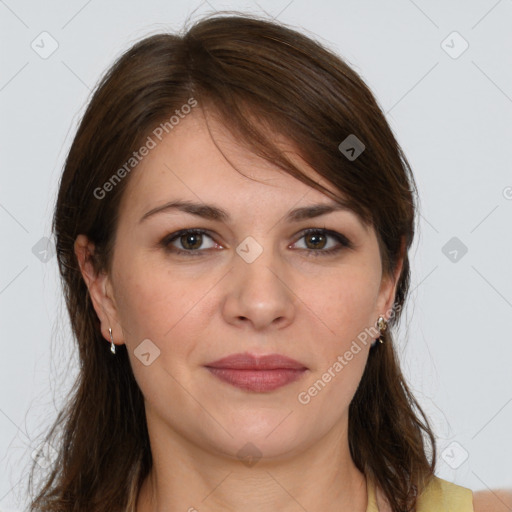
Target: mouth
[{"x": 257, "y": 373}]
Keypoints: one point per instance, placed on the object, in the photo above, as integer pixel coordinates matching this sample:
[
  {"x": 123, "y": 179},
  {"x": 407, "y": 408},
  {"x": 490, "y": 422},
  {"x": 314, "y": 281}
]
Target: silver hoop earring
[{"x": 112, "y": 346}]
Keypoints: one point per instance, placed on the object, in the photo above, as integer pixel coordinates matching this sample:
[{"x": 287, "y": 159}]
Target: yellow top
[{"x": 439, "y": 496}]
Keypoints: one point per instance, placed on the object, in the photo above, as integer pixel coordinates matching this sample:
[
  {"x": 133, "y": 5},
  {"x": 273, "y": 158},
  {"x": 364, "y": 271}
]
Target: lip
[
  {"x": 257, "y": 373},
  {"x": 247, "y": 361}
]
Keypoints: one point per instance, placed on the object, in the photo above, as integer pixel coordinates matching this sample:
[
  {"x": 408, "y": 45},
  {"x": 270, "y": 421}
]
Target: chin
[{"x": 272, "y": 438}]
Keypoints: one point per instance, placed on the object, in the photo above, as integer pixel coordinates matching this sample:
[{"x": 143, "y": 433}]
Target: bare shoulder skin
[{"x": 495, "y": 500}]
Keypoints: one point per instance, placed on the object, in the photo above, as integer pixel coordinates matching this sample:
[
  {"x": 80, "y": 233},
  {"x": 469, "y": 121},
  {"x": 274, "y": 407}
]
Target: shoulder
[
  {"x": 443, "y": 495},
  {"x": 440, "y": 496},
  {"x": 492, "y": 501}
]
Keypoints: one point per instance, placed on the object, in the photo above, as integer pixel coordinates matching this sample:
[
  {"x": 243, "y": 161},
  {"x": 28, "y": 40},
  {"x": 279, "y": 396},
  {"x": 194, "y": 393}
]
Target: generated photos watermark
[
  {"x": 369, "y": 334},
  {"x": 150, "y": 143}
]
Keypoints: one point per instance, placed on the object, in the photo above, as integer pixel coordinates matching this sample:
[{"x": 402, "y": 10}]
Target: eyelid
[{"x": 328, "y": 232}]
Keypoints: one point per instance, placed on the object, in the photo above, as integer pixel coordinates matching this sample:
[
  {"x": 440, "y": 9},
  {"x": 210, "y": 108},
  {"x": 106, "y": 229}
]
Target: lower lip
[{"x": 258, "y": 380}]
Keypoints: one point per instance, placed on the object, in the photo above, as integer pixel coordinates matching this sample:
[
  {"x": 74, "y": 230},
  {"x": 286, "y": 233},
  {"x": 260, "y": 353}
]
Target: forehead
[{"x": 196, "y": 161}]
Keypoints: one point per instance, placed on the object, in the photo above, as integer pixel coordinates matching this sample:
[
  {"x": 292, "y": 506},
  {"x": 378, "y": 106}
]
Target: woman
[{"x": 234, "y": 219}]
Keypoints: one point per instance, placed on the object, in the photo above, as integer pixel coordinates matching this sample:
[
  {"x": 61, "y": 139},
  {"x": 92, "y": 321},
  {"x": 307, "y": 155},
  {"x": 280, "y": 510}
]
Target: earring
[
  {"x": 112, "y": 346},
  {"x": 383, "y": 325}
]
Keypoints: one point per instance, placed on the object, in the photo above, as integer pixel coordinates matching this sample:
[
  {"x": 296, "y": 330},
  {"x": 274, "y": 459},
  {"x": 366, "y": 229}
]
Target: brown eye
[
  {"x": 191, "y": 241},
  {"x": 317, "y": 242},
  {"x": 188, "y": 241}
]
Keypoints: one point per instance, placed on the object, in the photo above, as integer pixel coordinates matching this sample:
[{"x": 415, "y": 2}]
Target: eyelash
[{"x": 344, "y": 242}]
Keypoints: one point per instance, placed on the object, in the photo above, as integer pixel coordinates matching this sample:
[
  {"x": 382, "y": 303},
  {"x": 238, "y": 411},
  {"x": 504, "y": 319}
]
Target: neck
[{"x": 320, "y": 478}]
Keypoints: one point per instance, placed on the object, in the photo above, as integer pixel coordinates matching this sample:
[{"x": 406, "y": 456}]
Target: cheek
[
  {"x": 166, "y": 310},
  {"x": 153, "y": 300},
  {"x": 344, "y": 302},
  {"x": 172, "y": 309}
]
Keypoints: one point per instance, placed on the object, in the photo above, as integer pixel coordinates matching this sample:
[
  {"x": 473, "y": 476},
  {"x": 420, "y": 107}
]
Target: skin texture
[
  {"x": 497, "y": 500},
  {"x": 197, "y": 309}
]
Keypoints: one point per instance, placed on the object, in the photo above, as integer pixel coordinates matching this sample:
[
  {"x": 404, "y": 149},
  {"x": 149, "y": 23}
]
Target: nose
[{"x": 259, "y": 294}]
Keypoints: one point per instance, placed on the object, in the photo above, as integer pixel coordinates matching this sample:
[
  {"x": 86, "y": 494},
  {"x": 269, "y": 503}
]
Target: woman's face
[{"x": 253, "y": 282}]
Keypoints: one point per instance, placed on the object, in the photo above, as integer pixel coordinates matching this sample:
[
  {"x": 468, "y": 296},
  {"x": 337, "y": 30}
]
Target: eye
[
  {"x": 317, "y": 242},
  {"x": 190, "y": 241}
]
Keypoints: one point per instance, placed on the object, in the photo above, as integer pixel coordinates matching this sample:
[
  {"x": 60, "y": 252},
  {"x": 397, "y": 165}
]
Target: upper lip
[{"x": 246, "y": 361}]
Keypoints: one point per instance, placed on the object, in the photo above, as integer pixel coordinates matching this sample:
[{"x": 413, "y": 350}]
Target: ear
[
  {"x": 388, "y": 286},
  {"x": 100, "y": 290}
]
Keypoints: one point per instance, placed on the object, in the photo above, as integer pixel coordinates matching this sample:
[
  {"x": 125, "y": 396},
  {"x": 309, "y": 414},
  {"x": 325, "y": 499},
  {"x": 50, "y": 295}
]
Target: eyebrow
[{"x": 208, "y": 211}]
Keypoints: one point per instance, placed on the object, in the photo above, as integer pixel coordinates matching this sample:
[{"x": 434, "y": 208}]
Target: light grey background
[{"x": 451, "y": 113}]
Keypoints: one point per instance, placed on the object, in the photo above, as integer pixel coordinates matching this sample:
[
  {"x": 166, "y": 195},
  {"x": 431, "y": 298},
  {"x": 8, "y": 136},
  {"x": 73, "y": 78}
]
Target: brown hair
[{"x": 236, "y": 65}]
